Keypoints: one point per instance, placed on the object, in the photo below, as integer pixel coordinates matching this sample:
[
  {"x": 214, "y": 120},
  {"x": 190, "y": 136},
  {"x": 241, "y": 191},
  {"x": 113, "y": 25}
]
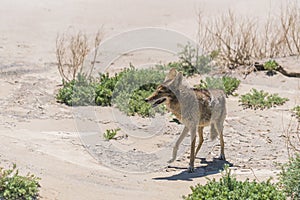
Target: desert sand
[{"x": 49, "y": 139}]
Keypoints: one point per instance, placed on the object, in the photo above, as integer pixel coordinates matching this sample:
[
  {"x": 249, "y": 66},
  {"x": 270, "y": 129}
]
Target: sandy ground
[{"x": 54, "y": 141}]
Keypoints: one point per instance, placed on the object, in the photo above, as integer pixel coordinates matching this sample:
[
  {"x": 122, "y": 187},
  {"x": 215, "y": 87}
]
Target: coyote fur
[{"x": 195, "y": 108}]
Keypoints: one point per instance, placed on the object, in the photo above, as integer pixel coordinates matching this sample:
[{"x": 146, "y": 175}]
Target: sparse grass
[
  {"x": 230, "y": 188},
  {"x": 261, "y": 100},
  {"x": 225, "y": 83},
  {"x": 15, "y": 186},
  {"x": 110, "y": 133}
]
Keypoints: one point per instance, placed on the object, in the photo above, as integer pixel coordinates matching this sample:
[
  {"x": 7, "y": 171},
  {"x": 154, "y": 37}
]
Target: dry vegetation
[
  {"x": 71, "y": 53},
  {"x": 238, "y": 40},
  {"x": 292, "y": 135}
]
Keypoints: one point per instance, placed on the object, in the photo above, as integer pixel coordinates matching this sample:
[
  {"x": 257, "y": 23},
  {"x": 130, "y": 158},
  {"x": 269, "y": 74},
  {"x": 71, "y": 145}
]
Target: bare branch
[{"x": 71, "y": 53}]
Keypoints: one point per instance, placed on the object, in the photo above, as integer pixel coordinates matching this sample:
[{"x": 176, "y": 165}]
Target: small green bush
[
  {"x": 105, "y": 88},
  {"x": 110, "y": 133},
  {"x": 261, "y": 100},
  {"x": 78, "y": 92},
  {"x": 87, "y": 91},
  {"x": 271, "y": 65},
  {"x": 134, "y": 87},
  {"x": 230, "y": 188},
  {"x": 14, "y": 186},
  {"x": 289, "y": 178},
  {"x": 296, "y": 110},
  {"x": 225, "y": 83},
  {"x": 190, "y": 62},
  {"x": 127, "y": 90}
]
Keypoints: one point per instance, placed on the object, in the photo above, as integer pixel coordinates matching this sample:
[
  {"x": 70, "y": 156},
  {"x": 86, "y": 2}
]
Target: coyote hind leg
[
  {"x": 192, "y": 154},
  {"x": 219, "y": 128},
  {"x": 200, "y": 133}
]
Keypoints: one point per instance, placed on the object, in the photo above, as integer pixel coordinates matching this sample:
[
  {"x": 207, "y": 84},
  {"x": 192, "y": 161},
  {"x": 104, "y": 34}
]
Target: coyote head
[{"x": 166, "y": 90}]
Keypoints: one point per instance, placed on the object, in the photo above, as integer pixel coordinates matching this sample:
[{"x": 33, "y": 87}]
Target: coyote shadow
[{"x": 207, "y": 168}]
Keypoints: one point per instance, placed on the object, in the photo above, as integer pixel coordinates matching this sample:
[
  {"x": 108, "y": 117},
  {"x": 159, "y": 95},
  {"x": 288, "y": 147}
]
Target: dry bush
[
  {"x": 71, "y": 53},
  {"x": 290, "y": 23},
  {"x": 232, "y": 41},
  {"x": 238, "y": 40},
  {"x": 292, "y": 136}
]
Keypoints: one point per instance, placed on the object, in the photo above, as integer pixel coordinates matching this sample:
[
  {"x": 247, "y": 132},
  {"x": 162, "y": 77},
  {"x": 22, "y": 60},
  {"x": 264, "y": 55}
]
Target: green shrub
[
  {"x": 271, "y": 65},
  {"x": 289, "y": 178},
  {"x": 260, "y": 99},
  {"x": 87, "y": 91},
  {"x": 190, "y": 62},
  {"x": 127, "y": 90},
  {"x": 14, "y": 186},
  {"x": 134, "y": 87},
  {"x": 110, "y": 133},
  {"x": 137, "y": 104},
  {"x": 105, "y": 89},
  {"x": 78, "y": 92},
  {"x": 230, "y": 188},
  {"x": 296, "y": 110},
  {"x": 225, "y": 83}
]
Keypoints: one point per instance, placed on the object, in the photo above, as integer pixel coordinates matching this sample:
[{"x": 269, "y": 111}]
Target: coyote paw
[
  {"x": 191, "y": 169},
  {"x": 172, "y": 160},
  {"x": 222, "y": 157}
]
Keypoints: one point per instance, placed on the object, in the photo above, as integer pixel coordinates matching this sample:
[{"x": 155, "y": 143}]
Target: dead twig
[{"x": 71, "y": 53}]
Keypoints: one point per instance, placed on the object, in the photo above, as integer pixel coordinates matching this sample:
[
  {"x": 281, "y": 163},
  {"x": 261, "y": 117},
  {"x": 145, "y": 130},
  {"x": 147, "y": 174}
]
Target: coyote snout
[
  {"x": 159, "y": 96},
  {"x": 195, "y": 108}
]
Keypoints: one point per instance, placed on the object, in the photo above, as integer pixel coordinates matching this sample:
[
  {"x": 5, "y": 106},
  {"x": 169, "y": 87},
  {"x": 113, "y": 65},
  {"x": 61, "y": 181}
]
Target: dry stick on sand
[{"x": 282, "y": 70}]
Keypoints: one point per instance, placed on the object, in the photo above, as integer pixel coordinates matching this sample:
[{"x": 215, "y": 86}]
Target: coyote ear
[
  {"x": 171, "y": 75},
  {"x": 178, "y": 79}
]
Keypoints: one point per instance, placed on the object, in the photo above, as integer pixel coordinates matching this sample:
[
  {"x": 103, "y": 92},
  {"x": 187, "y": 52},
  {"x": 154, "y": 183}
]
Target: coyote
[{"x": 195, "y": 108}]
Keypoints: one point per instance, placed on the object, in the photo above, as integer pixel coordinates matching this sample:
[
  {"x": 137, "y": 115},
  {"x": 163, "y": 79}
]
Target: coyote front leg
[{"x": 179, "y": 140}]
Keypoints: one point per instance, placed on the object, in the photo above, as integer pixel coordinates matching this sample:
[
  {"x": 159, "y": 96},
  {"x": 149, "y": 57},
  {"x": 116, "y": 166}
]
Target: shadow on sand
[{"x": 207, "y": 168}]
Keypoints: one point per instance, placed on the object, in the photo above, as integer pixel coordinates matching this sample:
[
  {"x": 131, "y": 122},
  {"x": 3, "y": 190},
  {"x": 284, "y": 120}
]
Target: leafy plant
[
  {"x": 228, "y": 84},
  {"x": 105, "y": 88},
  {"x": 110, "y": 133},
  {"x": 230, "y": 188},
  {"x": 271, "y": 65},
  {"x": 260, "y": 99},
  {"x": 190, "y": 62},
  {"x": 289, "y": 178},
  {"x": 77, "y": 92},
  {"x": 127, "y": 90},
  {"x": 87, "y": 91},
  {"x": 14, "y": 186},
  {"x": 296, "y": 110},
  {"x": 133, "y": 88}
]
